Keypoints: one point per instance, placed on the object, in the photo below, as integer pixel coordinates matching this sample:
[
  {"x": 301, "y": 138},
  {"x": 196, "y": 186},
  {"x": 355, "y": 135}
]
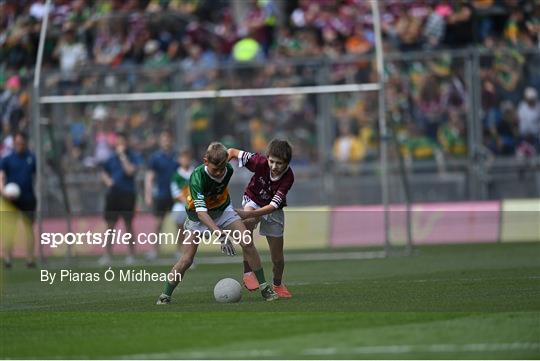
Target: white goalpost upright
[
  {"x": 383, "y": 132},
  {"x": 38, "y": 101},
  {"x": 36, "y": 123}
]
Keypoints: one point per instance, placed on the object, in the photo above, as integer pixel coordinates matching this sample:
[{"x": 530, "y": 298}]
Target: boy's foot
[
  {"x": 282, "y": 291},
  {"x": 7, "y": 263},
  {"x": 30, "y": 264},
  {"x": 268, "y": 294},
  {"x": 163, "y": 299},
  {"x": 250, "y": 281}
]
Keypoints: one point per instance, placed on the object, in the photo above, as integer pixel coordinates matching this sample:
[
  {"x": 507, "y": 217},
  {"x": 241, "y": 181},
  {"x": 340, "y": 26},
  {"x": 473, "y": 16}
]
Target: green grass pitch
[{"x": 455, "y": 301}]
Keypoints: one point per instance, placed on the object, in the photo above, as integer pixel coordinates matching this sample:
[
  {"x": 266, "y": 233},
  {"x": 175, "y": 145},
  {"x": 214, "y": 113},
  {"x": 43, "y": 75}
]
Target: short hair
[
  {"x": 167, "y": 132},
  {"x": 121, "y": 134},
  {"x": 281, "y": 149},
  {"x": 185, "y": 152},
  {"x": 216, "y": 154}
]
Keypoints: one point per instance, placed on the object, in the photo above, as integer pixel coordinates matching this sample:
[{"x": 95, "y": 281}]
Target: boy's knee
[{"x": 247, "y": 245}]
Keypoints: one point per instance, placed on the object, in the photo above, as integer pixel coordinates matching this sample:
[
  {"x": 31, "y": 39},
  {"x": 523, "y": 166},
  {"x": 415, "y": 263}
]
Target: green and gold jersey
[
  {"x": 180, "y": 183},
  {"x": 207, "y": 193},
  {"x": 452, "y": 141},
  {"x": 419, "y": 147}
]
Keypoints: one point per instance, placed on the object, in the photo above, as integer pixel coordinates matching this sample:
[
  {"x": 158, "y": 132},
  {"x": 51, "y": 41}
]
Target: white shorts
[
  {"x": 228, "y": 216},
  {"x": 271, "y": 225},
  {"x": 179, "y": 213}
]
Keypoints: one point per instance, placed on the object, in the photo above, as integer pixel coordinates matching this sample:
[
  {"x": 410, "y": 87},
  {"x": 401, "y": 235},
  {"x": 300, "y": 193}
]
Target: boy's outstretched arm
[
  {"x": 233, "y": 153},
  {"x": 269, "y": 208},
  {"x": 205, "y": 219}
]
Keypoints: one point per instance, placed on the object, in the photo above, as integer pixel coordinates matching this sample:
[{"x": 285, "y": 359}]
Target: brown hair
[
  {"x": 216, "y": 154},
  {"x": 185, "y": 152},
  {"x": 281, "y": 149}
]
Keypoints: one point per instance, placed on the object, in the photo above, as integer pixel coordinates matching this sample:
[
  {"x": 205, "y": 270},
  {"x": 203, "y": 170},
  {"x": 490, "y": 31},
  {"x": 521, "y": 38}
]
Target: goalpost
[{"x": 384, "y": 136}]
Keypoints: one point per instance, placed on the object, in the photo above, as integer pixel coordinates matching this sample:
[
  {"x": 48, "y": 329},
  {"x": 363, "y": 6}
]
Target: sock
[
  {"x": 277, "y": 282},
  {"x": 260, "y": 277},
  {"x": 246, "y": 267},
  {"x": 169, "y": 288}
]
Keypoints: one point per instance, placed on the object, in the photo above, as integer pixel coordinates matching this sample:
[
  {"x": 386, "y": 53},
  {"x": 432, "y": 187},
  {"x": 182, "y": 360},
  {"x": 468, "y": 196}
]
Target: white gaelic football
[
  {"x": 12, "y": 191},
  {"x": 228, "y": 290}
]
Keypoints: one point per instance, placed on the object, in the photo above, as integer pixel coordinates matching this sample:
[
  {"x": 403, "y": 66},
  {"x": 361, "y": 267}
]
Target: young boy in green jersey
[
  {"x": 209, "y": 209},
  {"x": 180, "y": 190}
]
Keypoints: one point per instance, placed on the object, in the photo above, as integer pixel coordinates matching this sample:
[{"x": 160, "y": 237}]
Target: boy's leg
[
  {"x": 278, "y": 262},
  {"x": 273, "y": 228},
  {"x": 181, "y": 247},
  {"x": 249, "y": 278},
  {"x": 180, "y": 267},
  {"x": 252, "y": 256}
]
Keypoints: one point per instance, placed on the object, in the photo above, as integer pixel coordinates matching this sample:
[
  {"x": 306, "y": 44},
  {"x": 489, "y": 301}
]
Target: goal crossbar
[{"x": 205, "y": 94}]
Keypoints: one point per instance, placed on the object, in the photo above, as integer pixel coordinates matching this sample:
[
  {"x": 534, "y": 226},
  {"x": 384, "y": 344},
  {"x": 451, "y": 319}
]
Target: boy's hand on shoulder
[{"x": 232, "y": 153}]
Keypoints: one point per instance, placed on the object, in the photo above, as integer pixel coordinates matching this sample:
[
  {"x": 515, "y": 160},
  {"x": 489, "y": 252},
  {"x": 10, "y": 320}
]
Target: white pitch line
[
  {"x": 331, "y": 351},
  {"x": 293, "y": 257},
  {"x": 436, "y": 348}
]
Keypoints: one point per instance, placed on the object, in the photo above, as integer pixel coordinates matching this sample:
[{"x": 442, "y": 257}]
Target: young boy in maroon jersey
[{"x": 263, "y": 202}]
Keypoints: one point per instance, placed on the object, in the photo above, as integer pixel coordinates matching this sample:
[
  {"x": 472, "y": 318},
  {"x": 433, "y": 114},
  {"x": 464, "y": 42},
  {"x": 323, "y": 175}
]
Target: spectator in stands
[
  {"x": 453, "y": 135},
  {"x": 199, "y": 66},
  {"x": 347, "y": 147},
  {"x": 10, "y": 106},
  {"x": 416, "y": 146},
  {"x": 529, "y": 116},
  {"x": 71, "y": 54},
  {"x": 409, "y": 30},
  {"x": 507, "y": 130},
  {"x": 430, "y": 107},
  {"x": 533, "y": 25},
  {"x": 508, "y": 71},
  {"x": 435, "y": 26},
  {"x": 109, "y": 44},
  {"x": 459, "y": 23},
  {"x": 201, "y": 34}
]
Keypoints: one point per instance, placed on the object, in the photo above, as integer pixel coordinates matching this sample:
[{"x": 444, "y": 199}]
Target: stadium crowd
[{"x": 138, "y": 45}]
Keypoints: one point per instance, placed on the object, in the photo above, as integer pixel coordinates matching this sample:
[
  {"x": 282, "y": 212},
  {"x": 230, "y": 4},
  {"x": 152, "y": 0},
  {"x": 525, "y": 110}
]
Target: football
[
  {"x": 228, "y": 290},
  {"x": 12, "y": 191}
]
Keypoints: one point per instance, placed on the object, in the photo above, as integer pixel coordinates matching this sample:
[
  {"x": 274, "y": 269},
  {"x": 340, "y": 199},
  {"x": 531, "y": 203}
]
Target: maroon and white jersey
[{"x": 262, "y": 189}]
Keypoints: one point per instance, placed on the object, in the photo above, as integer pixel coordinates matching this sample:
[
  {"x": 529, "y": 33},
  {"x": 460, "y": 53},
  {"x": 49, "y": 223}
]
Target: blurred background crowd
[{"x": 163, "y": 45}]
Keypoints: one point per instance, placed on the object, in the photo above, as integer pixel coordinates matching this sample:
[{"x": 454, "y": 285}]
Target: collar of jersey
[
  {"x": 185, "y": 173},
  {"x": 215, "y": 179},
  {"x": 279, "y": 176}
]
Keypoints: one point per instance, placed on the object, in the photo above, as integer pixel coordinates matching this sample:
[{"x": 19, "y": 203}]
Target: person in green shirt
[
  {"x": 179, "y": 190},
  {"x": 209, "y": 211}
]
